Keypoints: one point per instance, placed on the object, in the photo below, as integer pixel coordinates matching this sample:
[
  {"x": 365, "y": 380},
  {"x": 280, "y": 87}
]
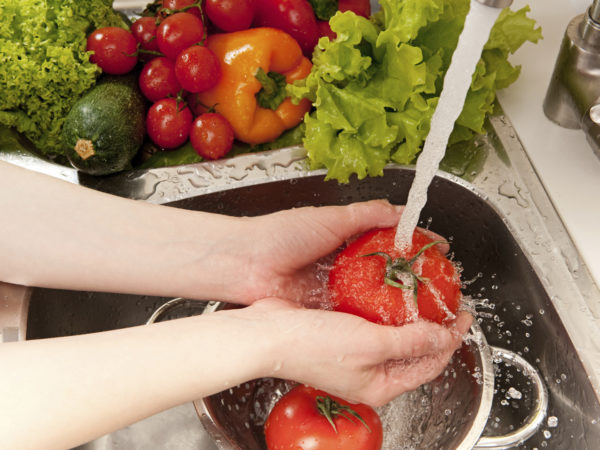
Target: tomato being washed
[
  {"x": 306, "y": 418},
  {"x": 364, "y": 280}
]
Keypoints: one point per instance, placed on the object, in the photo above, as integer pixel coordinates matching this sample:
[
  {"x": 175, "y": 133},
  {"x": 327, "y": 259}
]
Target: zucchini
[{"x": 105, "y": 127}]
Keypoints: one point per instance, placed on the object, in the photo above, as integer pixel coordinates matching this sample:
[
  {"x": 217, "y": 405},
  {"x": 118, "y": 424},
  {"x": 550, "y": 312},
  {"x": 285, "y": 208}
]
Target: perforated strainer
[{"x": 450, "y": 412}]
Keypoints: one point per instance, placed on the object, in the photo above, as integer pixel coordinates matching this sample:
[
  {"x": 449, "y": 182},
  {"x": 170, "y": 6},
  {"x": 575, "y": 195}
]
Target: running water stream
[{"x": 457, "y": 81}]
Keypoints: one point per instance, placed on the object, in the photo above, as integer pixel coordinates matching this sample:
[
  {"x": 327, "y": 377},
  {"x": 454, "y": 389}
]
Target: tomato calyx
[
  {"x": 396, "y": 267},
  {"x": 180, "y": 101},
  {"x": 330, "y": 409},
  {"x": 273, "y": 91},
  {"x": 169, "y": 11}
]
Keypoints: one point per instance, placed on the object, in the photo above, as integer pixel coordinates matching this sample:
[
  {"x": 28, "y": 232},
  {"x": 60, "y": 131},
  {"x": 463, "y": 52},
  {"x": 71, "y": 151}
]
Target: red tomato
[
  {"x": 183, "y": 6},
  {"x": 230, "y": 15},
  {"x": 157, "y": 79},
  {"x": 144, "y": 31},
  {"x": 168, "y": 123},
  {"x": 357, "y": 282},
  {"x": 295, "y": 17},
  {"x": 211, "y": 135},
  {"x": 325, "y": 29},
  {"x": 197, "y": 69},
  {"x": 295, "y": 422},
  {"x": 360, "y": 7},
  {"x": 115, "y": 50},
  {"x": 178, "y": 32}
]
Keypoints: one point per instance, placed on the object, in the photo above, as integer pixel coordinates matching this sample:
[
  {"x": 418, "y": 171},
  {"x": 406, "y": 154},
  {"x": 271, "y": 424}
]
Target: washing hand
[
  {"x": 348, "y": 356},
  {"x": 281, "y": 248}
]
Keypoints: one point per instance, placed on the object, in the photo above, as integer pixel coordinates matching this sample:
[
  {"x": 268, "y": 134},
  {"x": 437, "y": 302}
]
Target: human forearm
[
  {"x": 95, "y": 384},
  {"x": 54, "y": 234}
]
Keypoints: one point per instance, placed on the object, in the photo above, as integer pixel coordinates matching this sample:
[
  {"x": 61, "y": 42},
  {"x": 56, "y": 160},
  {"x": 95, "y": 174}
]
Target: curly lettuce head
[
  {"x": 375, "y": 86},
  {"x": 44, "y": 67}
]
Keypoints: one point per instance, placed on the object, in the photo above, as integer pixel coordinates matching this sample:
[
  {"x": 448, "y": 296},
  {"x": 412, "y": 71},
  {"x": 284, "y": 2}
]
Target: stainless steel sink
[{"x": 534, "y": 296}]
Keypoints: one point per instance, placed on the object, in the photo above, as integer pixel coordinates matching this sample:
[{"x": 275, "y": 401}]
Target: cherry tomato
[
  {"x": 325, "y": 30},
  {"x": 168, "y": 123},
  {"x": 197, "y": 69},
  {"x": 144, "y": 31},
  {"x": 115, "y": 50},
  {"x": 296, "y": 422},
  {"x": 295, "y": 17},
  {"x": 360, "y": 7},
  {"x": 211, "y": 135},
  {"x": 178, "y": 5},
  {"x": 230, "y": 15},
  {"x": 178, "y": 32},
  {"x": 157, "y": 79}
]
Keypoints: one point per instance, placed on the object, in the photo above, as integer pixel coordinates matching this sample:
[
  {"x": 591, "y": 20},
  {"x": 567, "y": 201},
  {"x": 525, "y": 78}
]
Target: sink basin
[{"x": 533, "y": 295}]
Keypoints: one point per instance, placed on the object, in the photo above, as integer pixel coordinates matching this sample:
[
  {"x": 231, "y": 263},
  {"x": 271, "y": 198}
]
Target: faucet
[
  {"x": 573, "y": 96},
  {"x": 496, "y": 3}
]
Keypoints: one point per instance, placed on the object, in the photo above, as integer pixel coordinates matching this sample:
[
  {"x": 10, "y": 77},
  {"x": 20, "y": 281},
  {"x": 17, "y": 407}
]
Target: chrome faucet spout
[
  {"x": 594, "y": 11},
  {"x": 573, "y": 96},
  {"x": 496, "y": 3}
]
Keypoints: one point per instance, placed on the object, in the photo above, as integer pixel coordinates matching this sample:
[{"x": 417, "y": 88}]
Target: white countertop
[{"x": 567, "y": 166}]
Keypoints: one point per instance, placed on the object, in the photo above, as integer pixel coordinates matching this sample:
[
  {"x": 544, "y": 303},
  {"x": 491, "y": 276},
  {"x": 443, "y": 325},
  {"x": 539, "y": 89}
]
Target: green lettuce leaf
[
  {"x": 44, "y": 67},
  {"x": 375, "y": 87}
]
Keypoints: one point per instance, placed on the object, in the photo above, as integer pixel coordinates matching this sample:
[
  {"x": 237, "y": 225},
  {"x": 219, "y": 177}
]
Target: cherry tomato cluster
[
  {"x": 175, "y": 65},
  {"x": 168, "y": 40}
]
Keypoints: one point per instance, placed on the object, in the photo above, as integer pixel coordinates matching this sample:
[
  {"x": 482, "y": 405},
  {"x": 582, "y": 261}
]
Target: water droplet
[{"x": 513, "y": 393}]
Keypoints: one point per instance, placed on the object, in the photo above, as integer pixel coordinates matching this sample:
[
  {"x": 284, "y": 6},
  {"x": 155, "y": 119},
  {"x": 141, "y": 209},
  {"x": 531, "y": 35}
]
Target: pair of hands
[{"x": 355, "y": 362}]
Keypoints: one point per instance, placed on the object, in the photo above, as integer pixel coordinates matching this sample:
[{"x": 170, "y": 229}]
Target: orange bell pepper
[{"x": 241, "y": 55}]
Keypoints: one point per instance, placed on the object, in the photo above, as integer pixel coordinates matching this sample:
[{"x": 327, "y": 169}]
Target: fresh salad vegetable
[
  {"x": 372, "y": 279},
  {"x": 105, "y": 128},
  {"x": 256, "y": 65},
  {"x": 309, "y": 418},
  {"x": 44, "y": 66},
  {"x": 230, "y": 15},
  {"x": 376, "y": 86},
  {"x": 113, "y": 49},
  {"x": 295, "y": 17},
  {"x": 211, "y": 135},
  {"x": 169, "y": 122}
]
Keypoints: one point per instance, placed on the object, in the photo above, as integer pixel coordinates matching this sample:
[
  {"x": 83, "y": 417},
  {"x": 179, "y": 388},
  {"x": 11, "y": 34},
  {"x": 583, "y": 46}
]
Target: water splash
[{"x": 457, "y": 82}]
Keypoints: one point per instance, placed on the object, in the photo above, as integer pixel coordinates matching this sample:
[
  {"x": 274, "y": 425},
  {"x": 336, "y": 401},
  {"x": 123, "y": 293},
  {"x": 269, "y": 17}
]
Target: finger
[
  {"x": 460, "y": 326},
  {"x": 344, "y": 222},
  {"x": 407, "y": 375},
  {"x": 419, "y": 339}
]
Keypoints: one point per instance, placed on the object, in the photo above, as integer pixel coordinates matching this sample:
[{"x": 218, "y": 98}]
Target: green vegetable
[
  {"x": 166, "y": 158},
  {"x": 105, "y": 128},
  {"x": 376, "y": 86},
  {"x": 44, "y": 67},
  {"x": 324, "y": 9}
]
